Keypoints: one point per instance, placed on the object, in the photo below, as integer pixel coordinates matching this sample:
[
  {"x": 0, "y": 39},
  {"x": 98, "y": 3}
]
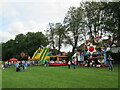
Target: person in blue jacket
[
  {"x": 25, "y": 64},
  {"x": 17, "y": 66}
]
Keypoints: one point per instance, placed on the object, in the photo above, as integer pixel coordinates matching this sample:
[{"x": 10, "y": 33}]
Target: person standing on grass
[
  {"x": 74, "y": 62},
  {"x": 109, "y": 59},
  {"x": 22, "y": 64},
  {"x": 17, "y": 66},
  {"x": 45, "y": 63},
  {"x": 25, "y": 65},
  {"x": 88, "y": 60},
  {"x": 69, "y": 63},
  {"x": 3, "y": 66}
]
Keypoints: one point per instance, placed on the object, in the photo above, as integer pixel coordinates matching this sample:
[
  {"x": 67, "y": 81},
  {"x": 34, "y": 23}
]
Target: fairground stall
[{"x": 57, "y": 60}]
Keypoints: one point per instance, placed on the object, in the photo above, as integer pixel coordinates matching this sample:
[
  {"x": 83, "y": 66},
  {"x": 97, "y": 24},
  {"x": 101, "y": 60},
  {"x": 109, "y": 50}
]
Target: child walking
[
  {"x": 25, "y": 65},
  {"x": 75, "y": 63},
  {"x": 17, "y": 66}
]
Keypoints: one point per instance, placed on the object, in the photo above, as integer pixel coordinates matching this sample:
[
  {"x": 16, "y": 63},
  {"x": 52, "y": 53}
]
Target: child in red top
[{"x": 75, "y": 62}]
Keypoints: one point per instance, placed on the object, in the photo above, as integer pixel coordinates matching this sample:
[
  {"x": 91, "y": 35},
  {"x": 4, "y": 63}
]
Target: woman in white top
[{"x": 69, "y": 63}]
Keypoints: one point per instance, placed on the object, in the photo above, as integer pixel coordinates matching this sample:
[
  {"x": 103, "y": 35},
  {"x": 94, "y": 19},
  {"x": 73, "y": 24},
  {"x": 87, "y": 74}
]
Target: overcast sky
[
  {"x": 22, "y": 16},
  {"x": 31, "y": 16}
]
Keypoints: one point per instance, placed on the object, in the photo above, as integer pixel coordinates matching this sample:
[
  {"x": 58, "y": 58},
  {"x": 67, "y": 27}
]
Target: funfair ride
[
  {"x": 43, "y": 54},
  {"x": 94, "y": 50}
]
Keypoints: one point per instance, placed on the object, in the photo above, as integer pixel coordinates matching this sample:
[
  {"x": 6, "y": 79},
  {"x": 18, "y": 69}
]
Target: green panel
[
  {"x": 37, "y": 51},
  {"x": 42, "y": 53},
  {"x": 45, "y": 53}
]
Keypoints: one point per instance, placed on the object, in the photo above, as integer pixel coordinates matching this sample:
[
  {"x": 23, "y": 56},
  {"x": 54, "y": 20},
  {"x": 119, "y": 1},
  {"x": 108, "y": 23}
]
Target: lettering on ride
[{"x": 22, "y": 54}]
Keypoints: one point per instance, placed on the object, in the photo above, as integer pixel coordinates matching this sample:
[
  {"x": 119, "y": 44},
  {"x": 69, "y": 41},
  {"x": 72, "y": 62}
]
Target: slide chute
[{"x": 41, "y": 54}]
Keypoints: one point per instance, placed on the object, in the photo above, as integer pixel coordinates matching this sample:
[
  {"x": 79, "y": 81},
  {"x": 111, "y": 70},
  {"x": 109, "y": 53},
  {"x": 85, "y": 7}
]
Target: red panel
[
  {"x": 58, "y": 64},
  {"x": 91, "y": 48}
]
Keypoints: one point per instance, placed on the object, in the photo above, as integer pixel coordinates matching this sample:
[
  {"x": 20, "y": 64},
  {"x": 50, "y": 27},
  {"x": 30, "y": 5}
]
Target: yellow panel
[
  {"x": 29, "y": 57},
  {"x": 95, "y": 53},
  {"x": 47, "y": 58},
  {"x": 37, "y": 56}
]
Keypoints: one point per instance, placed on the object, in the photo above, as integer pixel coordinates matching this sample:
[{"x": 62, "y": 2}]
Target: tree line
[
  {"x": 90, "y": 19},
  {"x": 23, "y": 43}
]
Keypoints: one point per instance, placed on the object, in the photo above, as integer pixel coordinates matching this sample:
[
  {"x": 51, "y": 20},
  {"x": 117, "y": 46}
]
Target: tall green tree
[
  {"x": 35, "y": 40},
  {"x": 50, "y": 33},
  {"x": 59, "y": 34},
  {"x": 8, "y": 49},
  {"x": 112, "y": 9},
  {"x": 56, "y": 35},
  {"x": 73, "y": 22},
  {"x": 90, "y": 19},
  {"x": 20, "y": 43},
  {"x": 94, "y": 18},
  {"x": 23, "y": 43}
]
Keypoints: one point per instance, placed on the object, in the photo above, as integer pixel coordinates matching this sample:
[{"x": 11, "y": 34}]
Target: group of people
[
  {"x": 6, "y": 64},
  {"x": 23, "y": 64},
  {"x": 109, "y": 60},
  {"x": 74, "y": 62}
]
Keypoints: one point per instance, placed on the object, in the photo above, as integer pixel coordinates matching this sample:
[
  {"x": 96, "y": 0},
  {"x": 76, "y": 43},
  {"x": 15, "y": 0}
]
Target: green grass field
[{"x": 60, "y": 77}]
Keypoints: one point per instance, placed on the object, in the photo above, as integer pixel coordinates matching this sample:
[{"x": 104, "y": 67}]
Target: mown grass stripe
[{"x": 60, "y": 77}]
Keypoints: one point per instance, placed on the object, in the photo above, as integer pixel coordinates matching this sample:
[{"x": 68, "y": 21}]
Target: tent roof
[{"x": 13, "y": 59}]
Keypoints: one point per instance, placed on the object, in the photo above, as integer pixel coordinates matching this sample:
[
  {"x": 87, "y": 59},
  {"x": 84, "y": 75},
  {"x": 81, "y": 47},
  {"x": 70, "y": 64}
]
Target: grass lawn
[{"x": 60, "y": 77}]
